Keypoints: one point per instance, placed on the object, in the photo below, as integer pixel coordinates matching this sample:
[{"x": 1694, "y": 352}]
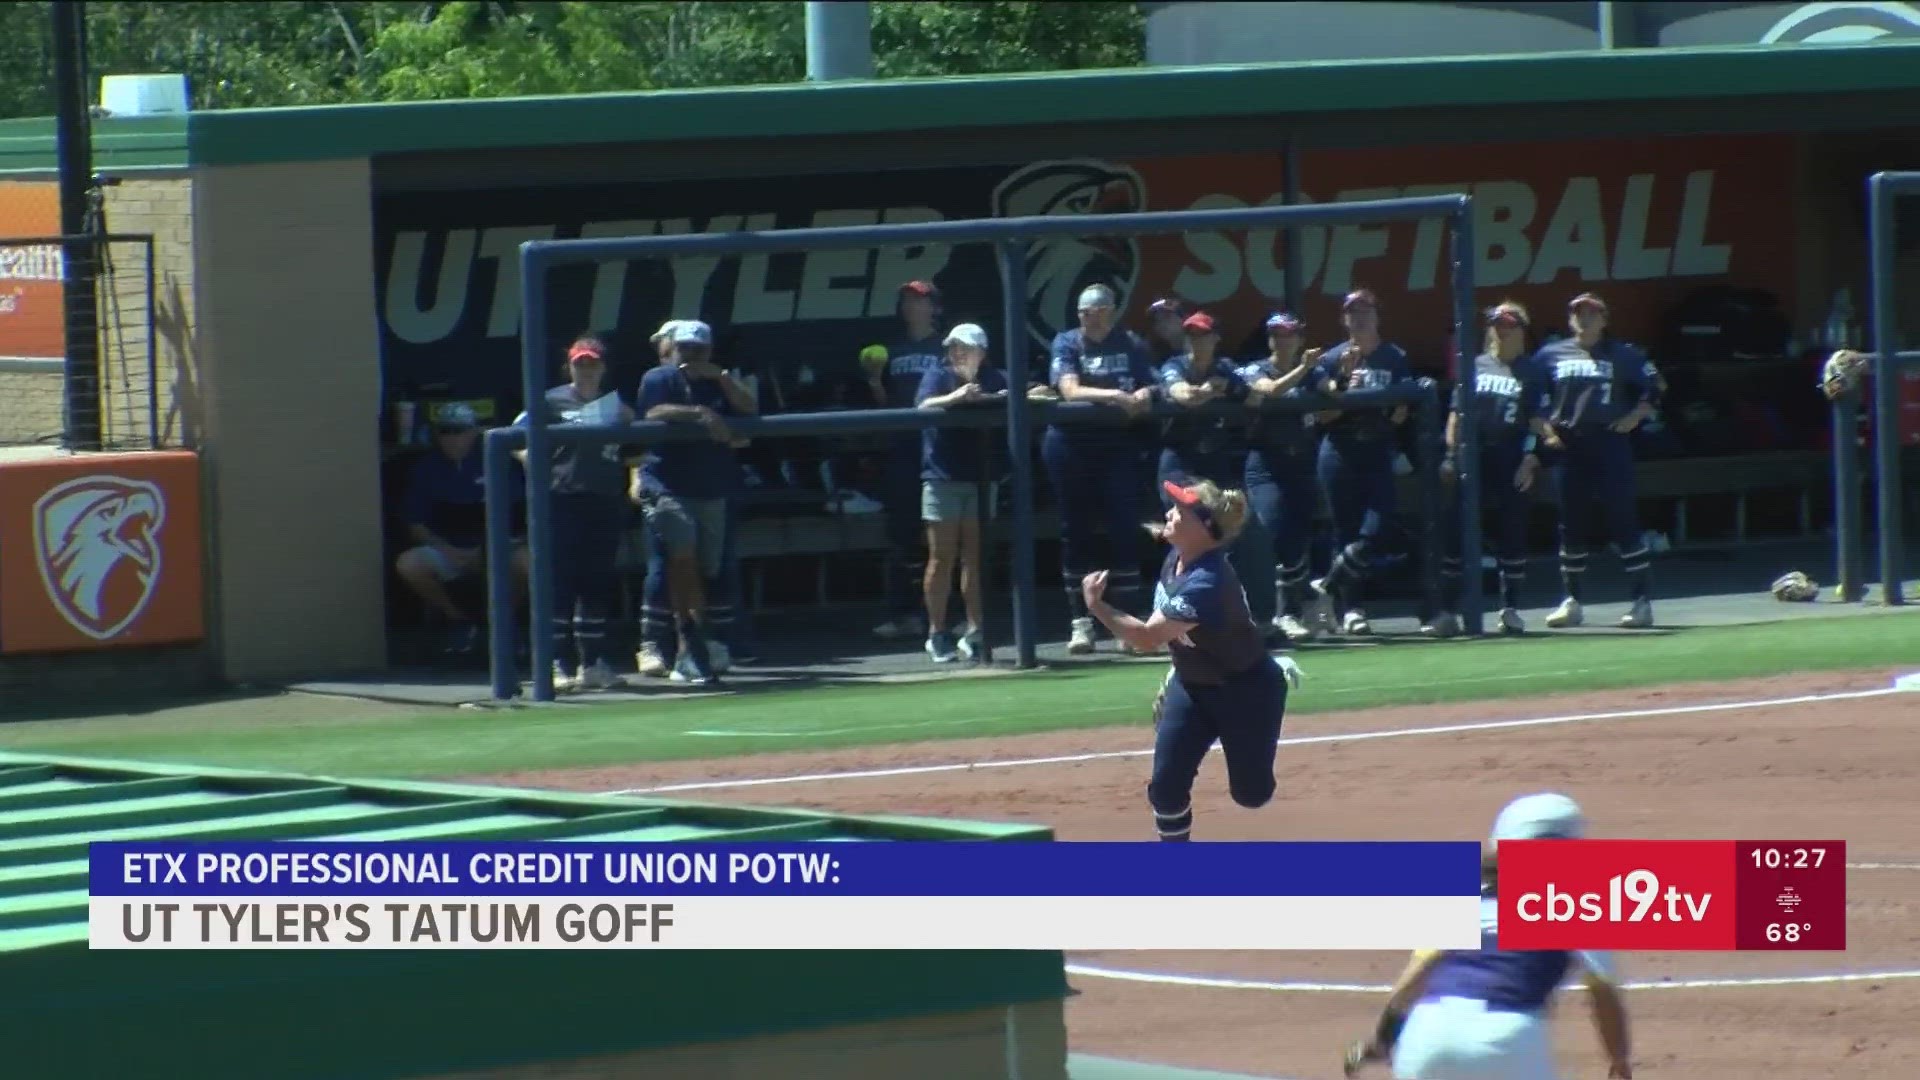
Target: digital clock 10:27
[{"x": 1798, "y": 858}]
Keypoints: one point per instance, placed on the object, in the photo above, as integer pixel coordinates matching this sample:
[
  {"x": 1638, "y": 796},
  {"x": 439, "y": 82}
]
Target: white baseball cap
[
  {"x": 1546, "y": 816},
  {"x": 666, "y": 330},
  {"x": 967, "y": 334},
  {"x": 1094, "y": 296},
  {"x": 691, "y": 332}
]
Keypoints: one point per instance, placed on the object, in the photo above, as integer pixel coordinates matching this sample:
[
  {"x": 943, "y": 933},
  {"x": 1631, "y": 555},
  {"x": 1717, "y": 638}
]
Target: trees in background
[{"x": 243, "y": 55}]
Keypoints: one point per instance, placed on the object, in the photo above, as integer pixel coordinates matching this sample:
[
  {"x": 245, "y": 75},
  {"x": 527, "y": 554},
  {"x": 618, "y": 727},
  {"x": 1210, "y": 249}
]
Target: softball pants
[
  {"x": 1242, "y": 714},
  {"x": 586, "y": 544},
  {"x": 1098, "y": 483},
  {"x": 1359, "y": 485},
  {"x": 1453, "y": 1038},
  {"x": 1284, "y": 495},
  {"x": 1504, "y": 512},
  {"x": 1595, "y": 475}
]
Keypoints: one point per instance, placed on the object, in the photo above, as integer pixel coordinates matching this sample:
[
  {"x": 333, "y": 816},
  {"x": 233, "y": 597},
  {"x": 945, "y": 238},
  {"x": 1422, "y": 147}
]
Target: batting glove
[{"x": 1290, "y": 669}]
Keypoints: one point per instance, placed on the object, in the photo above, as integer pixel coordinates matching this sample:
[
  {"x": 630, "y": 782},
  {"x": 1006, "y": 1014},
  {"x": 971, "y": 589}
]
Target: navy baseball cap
[
  {"x": 1587, "y": 299},
  {"x": 1286, "y": 320},
  {"x": 1506, "y": 315},
  {"x": 1358, "y": 296}
]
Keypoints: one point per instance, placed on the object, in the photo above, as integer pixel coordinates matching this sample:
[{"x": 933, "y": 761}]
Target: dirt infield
[{"x": 1674, "y": 762}]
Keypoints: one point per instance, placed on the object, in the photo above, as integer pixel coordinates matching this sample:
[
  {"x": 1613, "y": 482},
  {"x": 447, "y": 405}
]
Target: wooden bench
[{"x": 1738, "y": 477}]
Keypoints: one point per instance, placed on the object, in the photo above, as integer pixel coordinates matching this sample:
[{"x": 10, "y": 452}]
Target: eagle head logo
[
  {"x": 1057, "y": 269},
  {"x": 96, "y": 539}
]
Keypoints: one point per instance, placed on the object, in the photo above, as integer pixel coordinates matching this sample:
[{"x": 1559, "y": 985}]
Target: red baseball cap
[
  {"x": 1586, "y": 299},
  {"x": 1504, "y": 315},
  {"x": 919, "y": 288},
  {"x": 1198, "y": 323},
  {"x": 585, "y": 350},
  {"x": 1180, "y": 493}
]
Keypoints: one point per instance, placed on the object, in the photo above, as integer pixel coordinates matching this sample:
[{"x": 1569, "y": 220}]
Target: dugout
[
  {"x": 317, "y": 265},
  {"x": 494, "y": 1015}
]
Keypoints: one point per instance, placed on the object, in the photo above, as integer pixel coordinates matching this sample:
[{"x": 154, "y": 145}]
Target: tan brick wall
[
  {"x": 31, "y": 403},
  {"x": 288, "y": 392},
  {"x": 163, "y": 208}
]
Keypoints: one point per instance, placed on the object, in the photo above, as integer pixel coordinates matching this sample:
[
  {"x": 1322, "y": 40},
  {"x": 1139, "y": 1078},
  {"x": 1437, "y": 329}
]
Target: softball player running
[
  {"x": 1224, "y": 686},
  {"x": 1279, "y": 473},
  {"x": 1197, "y": 446},
  {"x": 1098, "y": 471},
  {"x": 1356, "y": 458},
  {"x": 1506, "y": 390},
  {"x": 1599, "y": 390},
  {"x": 1483, "y": 1015}
]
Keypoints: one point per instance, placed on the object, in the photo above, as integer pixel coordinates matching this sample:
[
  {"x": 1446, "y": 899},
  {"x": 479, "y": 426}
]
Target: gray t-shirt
[{"x": 579, "y": 469}]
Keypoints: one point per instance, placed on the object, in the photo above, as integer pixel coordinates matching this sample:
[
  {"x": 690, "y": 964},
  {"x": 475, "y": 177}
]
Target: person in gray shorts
[
  {"x": 952, "y": 461},
  {"x": 684, "y": 487}
]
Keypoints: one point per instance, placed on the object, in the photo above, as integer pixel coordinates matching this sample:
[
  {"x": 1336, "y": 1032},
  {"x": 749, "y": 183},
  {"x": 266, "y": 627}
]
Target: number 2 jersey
[
  {"x": 1504, "y": 399},
  {"x": 1589, "y": 389}
]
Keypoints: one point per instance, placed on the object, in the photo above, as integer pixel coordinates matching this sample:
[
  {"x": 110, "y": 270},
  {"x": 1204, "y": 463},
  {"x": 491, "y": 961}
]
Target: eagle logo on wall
[{"x": 1057, "y": 269}]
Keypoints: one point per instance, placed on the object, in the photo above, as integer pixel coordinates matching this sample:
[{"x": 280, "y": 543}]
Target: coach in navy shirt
[
  {"x": 445, "y": 511},
  {"x": 684, "y": 486}
]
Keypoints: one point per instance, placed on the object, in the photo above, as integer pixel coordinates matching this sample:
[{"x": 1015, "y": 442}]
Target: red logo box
[{"x": 1674, "y": 895}]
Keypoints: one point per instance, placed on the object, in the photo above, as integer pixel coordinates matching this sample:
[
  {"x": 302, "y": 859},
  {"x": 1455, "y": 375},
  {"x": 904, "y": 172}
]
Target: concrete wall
[{"x": 289, "y": 396}]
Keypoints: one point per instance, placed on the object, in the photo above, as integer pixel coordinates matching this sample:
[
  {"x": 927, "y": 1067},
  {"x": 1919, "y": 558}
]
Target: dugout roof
[{"x": 1873, "y": 84}]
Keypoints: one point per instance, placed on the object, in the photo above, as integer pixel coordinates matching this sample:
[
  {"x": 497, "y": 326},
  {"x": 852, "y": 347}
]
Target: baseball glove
[
  {"x": 1795, "y": 587},
  {"x": 1843, "y": 372},
  {"x": 1160, "y": 700}
]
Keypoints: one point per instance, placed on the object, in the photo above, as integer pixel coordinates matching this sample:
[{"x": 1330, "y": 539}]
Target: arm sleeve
[
  {"x": 932, "y": 384},
  {"x": 413, "y": 506},
  {"x": 1066, "y": 359},
  {"x": 655, "y": 389},
  {"x": 1197, "y": 601}
]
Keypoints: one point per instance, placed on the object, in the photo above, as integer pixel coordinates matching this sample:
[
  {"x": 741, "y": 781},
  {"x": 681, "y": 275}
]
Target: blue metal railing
[
  {"x": 539, "y": 258},
  {"x": 1882, "y": 189}
]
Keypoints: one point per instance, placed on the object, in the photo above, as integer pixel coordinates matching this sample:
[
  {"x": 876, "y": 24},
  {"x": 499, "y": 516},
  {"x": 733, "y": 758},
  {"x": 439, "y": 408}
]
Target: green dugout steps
[{"x": 370, "y": 1015}]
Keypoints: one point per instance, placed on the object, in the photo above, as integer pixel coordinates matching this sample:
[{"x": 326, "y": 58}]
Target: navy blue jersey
[
  {"x": 702, "y": 468},
  {"x": 908, "y": 362},
  {"x": 1588, "y": 389},
  {"x": 1504, "y": 398},
  {"x": 448, "y": 498},
  {"x": 1522, "y": 982},
  {"x": 1379, "y": 369},
  {"x": 1202, "y": 435},
  {"x": 579, "y": 469},
  {"x": 957, "y": 453},
  {"x": 1119, "y": 361},
  {"x": 1279, "y": 436},
  {"x": 1224, "y": 641}
]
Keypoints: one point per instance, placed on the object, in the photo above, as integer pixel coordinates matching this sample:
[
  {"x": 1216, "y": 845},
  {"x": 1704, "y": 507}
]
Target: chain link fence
[{"x": 121, "y": 395}]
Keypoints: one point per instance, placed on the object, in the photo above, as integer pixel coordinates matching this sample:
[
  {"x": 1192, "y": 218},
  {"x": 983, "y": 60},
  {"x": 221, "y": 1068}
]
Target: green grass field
[{"x": 309, "y": 734}]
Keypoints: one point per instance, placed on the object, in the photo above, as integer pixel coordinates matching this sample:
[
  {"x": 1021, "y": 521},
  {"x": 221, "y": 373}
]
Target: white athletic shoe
[
  {"x": 564, "y": 680},
  {"x": 1511, "y": 622},
  {"x": 1293, "y": 629},
  {"x": 1320, "y": 608},
  {"x": 969, "y": 642},
  {"x": 1081, "y": 641},
  {"x": 940, "y": 647},
  {"x": 1444, "y": 625},
  {"x": 1567, "y": 614},
  {"x": 598, "y": 677},
  {"x": 1356, "y": 624},
  {"x": 650, "y": 662},
  {"x": 1639, "y": 616}
]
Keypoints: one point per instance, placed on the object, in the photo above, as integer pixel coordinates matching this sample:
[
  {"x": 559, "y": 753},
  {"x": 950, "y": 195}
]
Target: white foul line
[
  {"x": 1358, "y": 736},
  {"x": 1218, "y": 983}
]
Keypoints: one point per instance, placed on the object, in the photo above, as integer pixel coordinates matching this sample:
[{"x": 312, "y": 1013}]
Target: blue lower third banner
[{"x": 940, "y": 895}]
